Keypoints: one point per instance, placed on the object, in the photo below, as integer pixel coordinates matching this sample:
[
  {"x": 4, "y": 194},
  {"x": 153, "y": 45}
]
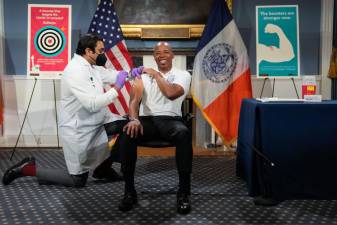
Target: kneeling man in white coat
[{"x": 84, "y": 120}]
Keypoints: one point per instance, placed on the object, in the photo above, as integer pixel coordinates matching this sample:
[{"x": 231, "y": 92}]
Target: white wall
[
  {"x": 326, "y": 45},
  {"x": 1, "y": 38},
  {"x": 40, "y": 127},
  {"x": 2, "y": 32}
]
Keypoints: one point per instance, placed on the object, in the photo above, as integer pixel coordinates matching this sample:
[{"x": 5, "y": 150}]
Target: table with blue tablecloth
[{"x": 287, "y": 149}]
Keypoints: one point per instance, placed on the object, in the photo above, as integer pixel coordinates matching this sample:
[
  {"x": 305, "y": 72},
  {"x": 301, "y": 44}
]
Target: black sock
[
  {"x": 129, "y": 186},
  {"x": 129, "y": 179},
  {"x": 184, "y": 183}
]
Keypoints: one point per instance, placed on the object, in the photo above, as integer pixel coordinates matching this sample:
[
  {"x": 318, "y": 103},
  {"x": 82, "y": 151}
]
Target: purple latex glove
[
  {"x": 120, "y": 81},
  {"x": 137, "y": 72}
]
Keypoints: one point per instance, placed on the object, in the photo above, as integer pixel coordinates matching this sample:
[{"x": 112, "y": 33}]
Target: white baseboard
[{"x": 9, "y": 141}]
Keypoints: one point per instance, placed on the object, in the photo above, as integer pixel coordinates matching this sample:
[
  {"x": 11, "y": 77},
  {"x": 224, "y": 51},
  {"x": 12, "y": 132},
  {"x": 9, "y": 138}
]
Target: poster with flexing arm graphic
[
  {"x": 49, "y": 38},
  {"x": 277, "y": 41}
]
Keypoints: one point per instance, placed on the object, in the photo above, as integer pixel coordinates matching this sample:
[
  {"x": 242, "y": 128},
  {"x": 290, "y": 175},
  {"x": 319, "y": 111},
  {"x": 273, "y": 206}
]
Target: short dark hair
[{"x": 87, "y": 41}]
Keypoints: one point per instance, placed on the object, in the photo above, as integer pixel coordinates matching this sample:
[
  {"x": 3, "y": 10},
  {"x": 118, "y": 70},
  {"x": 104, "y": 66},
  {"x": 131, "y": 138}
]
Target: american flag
[{"x": 105, "y": 24}]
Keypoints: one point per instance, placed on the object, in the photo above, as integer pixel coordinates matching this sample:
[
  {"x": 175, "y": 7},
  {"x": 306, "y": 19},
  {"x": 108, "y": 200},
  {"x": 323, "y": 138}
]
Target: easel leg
[
  {"x": 298, "y": 97},
  {"x": 56, "y": 118},
  {"x": 272, "y": 95},
  {"x": 264, "y": 82},
  {"x": 24, "y": 120}
]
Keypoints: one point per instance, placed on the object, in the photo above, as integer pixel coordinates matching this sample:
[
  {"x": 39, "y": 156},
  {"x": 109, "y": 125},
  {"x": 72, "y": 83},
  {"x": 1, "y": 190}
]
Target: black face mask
[{"x": 101, "y": 60}]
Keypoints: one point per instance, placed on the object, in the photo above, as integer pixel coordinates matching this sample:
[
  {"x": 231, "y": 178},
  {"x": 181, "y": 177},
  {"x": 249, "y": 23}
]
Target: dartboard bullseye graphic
[{"x": 49, "y": 41}]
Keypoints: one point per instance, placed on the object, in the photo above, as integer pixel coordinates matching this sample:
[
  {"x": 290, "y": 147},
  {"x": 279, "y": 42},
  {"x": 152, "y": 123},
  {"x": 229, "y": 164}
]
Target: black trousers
[{"x": 166, "y": 127}]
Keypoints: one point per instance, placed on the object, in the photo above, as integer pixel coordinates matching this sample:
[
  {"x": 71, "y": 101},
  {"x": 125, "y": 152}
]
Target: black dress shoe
[
  {"x": 183, "y": 204},
  {"x": 265, "y": 201},
  {"x": 15, "y": 171},
  {"x": 107, "y": 174},
  {"x": 128, "y": 201}
]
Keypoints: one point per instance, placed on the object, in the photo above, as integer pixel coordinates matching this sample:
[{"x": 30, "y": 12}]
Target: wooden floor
[{"x": 197, "y": 151}]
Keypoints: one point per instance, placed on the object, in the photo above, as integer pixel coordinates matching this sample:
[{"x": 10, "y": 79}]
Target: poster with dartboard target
[{"x": 49, "y": 40}]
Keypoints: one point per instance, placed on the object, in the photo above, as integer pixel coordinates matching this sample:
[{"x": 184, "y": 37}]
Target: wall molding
[
  {"x": 327, "y": 14},
  {"x": 2, "y": 37}
]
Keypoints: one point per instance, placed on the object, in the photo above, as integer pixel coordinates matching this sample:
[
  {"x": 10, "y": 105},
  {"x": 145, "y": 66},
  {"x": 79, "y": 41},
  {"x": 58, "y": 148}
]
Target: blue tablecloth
[{"x": 299, "y": 138}]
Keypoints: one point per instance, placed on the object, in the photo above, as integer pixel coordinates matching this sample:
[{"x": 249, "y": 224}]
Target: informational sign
[
  {"x": 277, "y": 41},
  {"x": 308, "y": 85},
  {"x": 49, "y": 38}
]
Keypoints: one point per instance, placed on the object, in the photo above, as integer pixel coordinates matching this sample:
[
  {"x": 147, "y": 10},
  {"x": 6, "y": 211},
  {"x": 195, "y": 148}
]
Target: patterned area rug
[{"x": 218, "y": 197}]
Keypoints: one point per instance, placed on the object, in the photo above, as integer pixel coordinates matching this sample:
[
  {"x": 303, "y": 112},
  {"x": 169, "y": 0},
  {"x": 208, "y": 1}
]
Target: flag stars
[{"x": 105, "y": 23}]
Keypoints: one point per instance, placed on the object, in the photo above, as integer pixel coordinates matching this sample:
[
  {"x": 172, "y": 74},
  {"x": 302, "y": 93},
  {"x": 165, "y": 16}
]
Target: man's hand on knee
[{"x": 133, "y": 128}]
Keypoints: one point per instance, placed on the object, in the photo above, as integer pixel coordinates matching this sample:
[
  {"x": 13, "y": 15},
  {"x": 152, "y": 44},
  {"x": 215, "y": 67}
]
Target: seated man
[
  {"x": 161, "y": 94},
  {"x": 84, "y": 115}
]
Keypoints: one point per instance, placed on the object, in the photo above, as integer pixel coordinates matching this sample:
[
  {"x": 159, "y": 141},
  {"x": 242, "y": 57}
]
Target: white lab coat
[{"x": 83, "y": 112}]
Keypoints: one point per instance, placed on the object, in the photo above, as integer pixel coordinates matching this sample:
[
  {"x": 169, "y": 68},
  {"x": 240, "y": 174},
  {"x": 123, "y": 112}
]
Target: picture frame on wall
[
  {"x": 277, "y": 41},
  {"x": 49, "y": 38},
  {"x": 155, "y": 19}
]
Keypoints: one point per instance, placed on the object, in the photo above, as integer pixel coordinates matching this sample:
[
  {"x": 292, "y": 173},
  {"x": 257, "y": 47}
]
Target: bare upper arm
[{"x": 136, "y": 91}]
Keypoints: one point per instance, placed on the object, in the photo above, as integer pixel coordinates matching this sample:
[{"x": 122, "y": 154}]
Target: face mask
[{"x": 101, "y": 60}]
